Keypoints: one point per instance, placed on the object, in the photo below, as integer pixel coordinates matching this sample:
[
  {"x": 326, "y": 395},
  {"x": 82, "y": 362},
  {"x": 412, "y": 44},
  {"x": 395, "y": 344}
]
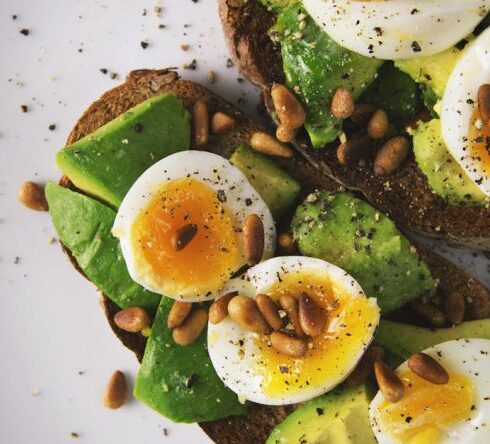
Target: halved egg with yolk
[
  {"x": 458, "y": 411},
  {"x": 252, "y": 368},
  {"x": 180, "y": 225}
]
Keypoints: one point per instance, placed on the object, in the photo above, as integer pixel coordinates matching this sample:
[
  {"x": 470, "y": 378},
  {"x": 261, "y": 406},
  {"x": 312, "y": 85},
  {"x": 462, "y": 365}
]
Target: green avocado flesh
[
  {"x": 107, "y": 162},
  {"x": 84, "y": 227},
  {"x": 315, "y": 66},
  {"x": 180, "y": 382},
  {"x": 444, "y": 174},
  {"x": 402, "y": 340},
  {"x": 338, "y": 417},
  {"x": 277, "y": 5},
  {"x": 348, "y": 232},
  {"x": 278, "y": 189}
]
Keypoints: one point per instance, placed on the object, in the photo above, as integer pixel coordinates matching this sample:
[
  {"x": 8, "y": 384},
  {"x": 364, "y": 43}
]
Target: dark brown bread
[
  {"x": 142, "y": 84},
  {"x": 405, "y": 196}
]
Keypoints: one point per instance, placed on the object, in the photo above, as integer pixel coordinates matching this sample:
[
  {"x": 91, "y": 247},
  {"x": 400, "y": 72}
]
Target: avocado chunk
[
  {"x": 402, "y": 340},
  {"x": 278, "y": 189},
  {"x": 179, "y": 382},
  {"x": 348, "y": 232},
  {"x": 107, "y": 162},
  {"x": 277, "y": 5},
  {"x": 84, "y": 227},
  {"x": 340, "y": 416},
  {"x": 444, "y": 174},
  {"x": 315, "y": 66}
]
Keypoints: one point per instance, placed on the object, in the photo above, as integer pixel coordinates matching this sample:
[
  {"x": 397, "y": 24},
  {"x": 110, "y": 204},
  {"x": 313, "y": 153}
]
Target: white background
[{"x": 51, "y": 327}]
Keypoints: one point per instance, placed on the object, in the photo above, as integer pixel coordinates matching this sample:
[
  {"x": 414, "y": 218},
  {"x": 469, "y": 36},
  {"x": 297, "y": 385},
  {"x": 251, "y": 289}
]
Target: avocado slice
[
  {"x": 348, "y": 232},
  {"x": 84, "y": 227},
  {"x": 315, "y": 66},
  {"x": 338, "y": 417},
  {"x": 107, "y": 162},
  {"x": 278, "y": 189},
  {"x": 179, "y": 382},
  {"x": 444, "y": 174},
  {"x": 402, "y": 340}
]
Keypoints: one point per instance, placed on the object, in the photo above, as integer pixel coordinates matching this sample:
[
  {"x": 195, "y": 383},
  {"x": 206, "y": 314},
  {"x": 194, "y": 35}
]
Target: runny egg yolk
[
  {"x": 207, "y": 261},
  {"x": 331, "y": 355},
  {"x": 479, "y": 139},
  {"x": 427, "y": 409}
]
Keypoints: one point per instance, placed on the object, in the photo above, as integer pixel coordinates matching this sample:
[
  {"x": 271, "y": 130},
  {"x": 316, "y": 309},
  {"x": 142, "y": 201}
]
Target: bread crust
[
  {"x": 406, "y": 196},
  {"x": 256, "y": 426}
]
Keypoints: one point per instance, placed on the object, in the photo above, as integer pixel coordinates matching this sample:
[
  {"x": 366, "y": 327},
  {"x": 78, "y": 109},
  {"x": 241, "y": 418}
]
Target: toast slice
[
  {"x": 142, "y": 84},
  {"x": 405, "y": 197}
]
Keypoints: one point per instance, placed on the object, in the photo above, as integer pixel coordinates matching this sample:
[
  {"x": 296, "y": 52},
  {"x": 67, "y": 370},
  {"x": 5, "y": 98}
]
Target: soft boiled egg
[
  {"x": 465, "y": 134},
  {"x": 397, "y": 29},
  {"x": 456, "y": 412},
  {"x": 203, "y": 196},
  {"x": 255, "y": 371}
]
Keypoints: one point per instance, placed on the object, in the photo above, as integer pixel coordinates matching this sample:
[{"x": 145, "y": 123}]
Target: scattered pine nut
[
  {"x": 365, "y": 366},
  {"x": 285, "y": 134},
  {"x": 253, "y": 239},
  {"x": 132, "y": 319},
  {"x": 429, "y": 313},
  {"x": 289, "y": 110},
  {"x": 183, "y": 236},
  {"x": 353, "y": 150},
  {"x": 270, "y": 311},
  {"x": 312, "y": 317},
  {"x": 191, "y": 328},
  {"x": 391, "y": 156},
  {"x": 265, "y": 143},
  {"x": 245, "y": 312},
  {"x": 31, "y": 195},
  {"x": 221, "y": 123},
  {"x": 288, "y": 344},
  {"x": 343, "y": 103},
  {"x": 388, "y": 381},
  {"x": 116, "y": 391},
  {"x": 454, "y": 307},
  {"x": 378, "y": 125},
  {"x": 290, "y": 305},
  {"x": 200, "y": 122},
  {"x": 219, "y": 308},
  {"x": 286, "y": 243},
  {"x": 484, "y": 102},
  {"x": 428, "y": 368},
  {"x": 178, "y": 313}
]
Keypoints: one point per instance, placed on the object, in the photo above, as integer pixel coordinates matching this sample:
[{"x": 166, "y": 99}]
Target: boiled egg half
[
  {"x": 466, "y": 136},
  {"x": 456, "y": 412},
  {"x": 397, "y": 29},
  {"x": 255, "y": 371},
  {"x": 204, "y": 194}
]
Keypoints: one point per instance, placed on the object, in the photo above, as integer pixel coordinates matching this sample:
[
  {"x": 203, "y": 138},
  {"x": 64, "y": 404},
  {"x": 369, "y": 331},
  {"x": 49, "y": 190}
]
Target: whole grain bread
[
  {"x": 142, "y": 84},
  {"x": 405, "y": 196}
]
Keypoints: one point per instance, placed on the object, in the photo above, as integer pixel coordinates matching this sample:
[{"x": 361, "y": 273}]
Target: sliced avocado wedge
[
  {"x": 107, "y": 162},
  {"x": 338, "y": 417},
  {"x": 278, "y": 189},
  {"x": 350, "y": 233},
  {"x": 84, "y": 227},
  {"x": 179, "y": 382}
]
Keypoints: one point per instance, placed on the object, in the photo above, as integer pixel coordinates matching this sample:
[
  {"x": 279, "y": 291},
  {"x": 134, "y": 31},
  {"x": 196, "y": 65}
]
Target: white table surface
[{"x": 57, "y": 349}]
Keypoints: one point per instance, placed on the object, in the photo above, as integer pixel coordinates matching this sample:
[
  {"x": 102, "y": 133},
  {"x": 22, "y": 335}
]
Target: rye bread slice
[
  {"x": 142, "y": 84},
  {"x": 404, "y": 196}
]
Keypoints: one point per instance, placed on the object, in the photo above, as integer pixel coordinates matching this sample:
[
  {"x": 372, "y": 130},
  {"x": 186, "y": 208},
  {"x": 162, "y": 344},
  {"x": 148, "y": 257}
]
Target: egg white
[
  {"x": 460, "y": 98},
  {"x": 233, "y": 351},
  {"x": 470, "y": 358},
  {"x": 388, "y": 29},
  {"x": 216, "y": 172}
]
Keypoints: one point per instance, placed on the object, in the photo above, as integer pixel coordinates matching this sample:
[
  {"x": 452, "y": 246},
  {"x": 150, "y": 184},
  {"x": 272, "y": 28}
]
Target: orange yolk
[
  {"x": 426, "y": 408},
  {"x": 211, "y": 256},
  {"x": 331, "y": 355},
  {"x": 479, "y": 139}
]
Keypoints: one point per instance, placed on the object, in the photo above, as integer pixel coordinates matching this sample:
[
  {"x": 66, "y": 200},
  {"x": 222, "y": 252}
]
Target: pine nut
[
  {"x": 365, "y": 366},
  {"x": 343, "y": 103},
  {"x": 362, "y": 114},
  {"x": 253, "y": 238},
  {"x": 183, "y": 236},
  {"x": 286, "y": 243},
  {"x": 353, "y": 150},
  {"x": 31, "y": 195},
  {"x": 290, "y": 305},
  {"x": 270, "y": 311},
  {"x": 288, "y": 344},
  {"x": 245, "y": 312},
  {"x": 116, "y": 391},
  {"x": 178, "y": 313},
  {"x": 389, "y": 383},
  {"x": 221, "y": 123},
  {"x": 429, "y": 313},
  {"x": 391, "y": 156},
  {"x": 219, "y": 308},
  {"x": 192, "y": 327},
  {"x": 428, "y": 368},
  {"x": 378, "y": 125},
  {"x": 132, "y": 319},
  {"x": 454, "y": 307},
  {"x": 484, "y": 102},
  {"x": 200, "y": 122},
  {"x": 289, "y": 110},
  {"x": 312, "y": 318},
  {"x": 285, "y": 134},
  {"x": 265, "y": 143}
]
